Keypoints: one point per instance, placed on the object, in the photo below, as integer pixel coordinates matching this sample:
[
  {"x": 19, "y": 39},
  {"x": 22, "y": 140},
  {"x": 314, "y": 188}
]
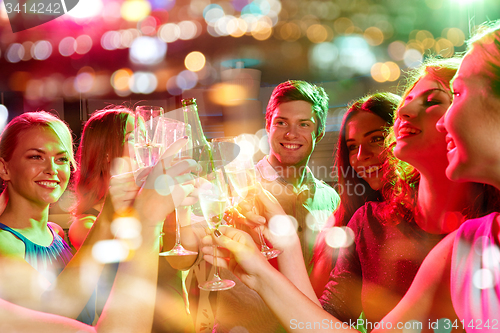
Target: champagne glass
[
  {"x": 169, "y": 131},
  {"x": 147, "y": 152},
  {"x": 212, "y": 193},
  {"x": 241, "y": 175}
]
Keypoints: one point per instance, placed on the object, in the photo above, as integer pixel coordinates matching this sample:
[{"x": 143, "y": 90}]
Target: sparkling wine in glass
[
  {"x": 168, "y": 132},
  {"x": 241, "y": 174},
  {"x": 212, "y": 194}
]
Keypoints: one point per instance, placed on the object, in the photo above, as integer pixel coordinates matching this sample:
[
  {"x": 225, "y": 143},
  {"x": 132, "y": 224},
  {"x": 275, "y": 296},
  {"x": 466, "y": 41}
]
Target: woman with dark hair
[
  {"x": 358, "y": 163},
  {"x": 104, "y": 139}
]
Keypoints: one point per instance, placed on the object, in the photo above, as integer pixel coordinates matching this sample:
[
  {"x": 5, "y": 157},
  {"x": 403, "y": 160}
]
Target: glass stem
[
  {"x": 216, "y": 272},
  {"x": 177, "y": 229},
  {"x": 263, "y": 245}
]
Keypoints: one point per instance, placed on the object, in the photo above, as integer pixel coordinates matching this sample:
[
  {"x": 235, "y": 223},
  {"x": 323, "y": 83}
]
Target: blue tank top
[{"x": 50, "y": 261}]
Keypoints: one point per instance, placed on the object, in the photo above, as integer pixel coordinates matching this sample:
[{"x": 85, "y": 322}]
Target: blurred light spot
[
  {"x": 67, "y": 46},
  {"x": 110, "y": 40},
  {"x": 135, "y": 10},
  {"x": 483, "y": 279},
  {"x": 108, "y": 251},
  {"x": 456, "y": 36},
  {"x": 42, "y": 50},
  {"x": 397, "y": 50},
  {"x": 491, "y": 257},
  {"x": 374, "y": 36},
  {"x": 342, "y": 25},
  {"x": 143, "y": 83},
  {"x": 4, "y": 115},
  {"x": 14, "y": 53},
  {"x": 413, "y": 58},
  {"x": 283, "y": 225},
  {"x": 68, "y": 87},
  {"x": 126, "y": 228},
  {"x": 164, "y": 184},
  {"x": 249, "y": 145},
  {"x": 172, "y": 87},
  {"x": 120, "y": 79},
  {"x": 188, "y": 30},
  {"x": 423, "y": 35},
  {"x": 163, "y": 4},
  {"x": 338, "y": 237},
  {"x": 444, "y": 47},
  {"x": 290, "y": 31},
  {"x": 212, "y": 13},
  {"x": 83, "y": 82},
  {"x": 237, "y": 27},
  {"x": 479, "y": 244},
  {"x": 264, "y": 144},
  {"x": 34, "y": 89},
  {"x": 187, "y": 80},
  {"x": 169, "y": 32},
  {"x": 194, "y": 61},
  {"x": 262, "y": 30},
  {"x": 317, "y": 33},
  {"x": 416, "y": 45},
  {"x": 148, "y": 26},
  {"x": 317, "y": 221},
  {"x": 27, "y": 46},
  {"x": 111, "y": 11},
  {"x": 87, "y": 8},
  {"x": 412, "y": 326},
  {"x": 227, "y": 94},
  {"x": 252, "y": 8},
  {"x": 83, "y": 44},
  {"x": 147, "y": 50}
]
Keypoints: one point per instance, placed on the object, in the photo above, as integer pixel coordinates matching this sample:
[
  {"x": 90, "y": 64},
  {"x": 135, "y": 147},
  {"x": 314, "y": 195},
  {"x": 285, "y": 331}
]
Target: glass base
[
  {"x": 270, "y": 253},
  {"x": 178, "y": 250},
  {"x": 217, "y": 285}
]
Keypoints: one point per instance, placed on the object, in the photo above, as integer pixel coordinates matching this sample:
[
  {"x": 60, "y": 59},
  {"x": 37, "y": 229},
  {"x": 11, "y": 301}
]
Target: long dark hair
[
  {"x": 383, "y": 105},
  {"x": 102, "y": 141}
]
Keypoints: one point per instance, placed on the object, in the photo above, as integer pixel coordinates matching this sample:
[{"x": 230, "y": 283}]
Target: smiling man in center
[{"x": 295, "y": 123}]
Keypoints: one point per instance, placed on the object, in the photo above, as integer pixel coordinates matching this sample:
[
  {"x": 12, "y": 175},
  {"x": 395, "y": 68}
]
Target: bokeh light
[
  {"x": 147, "y": 50},
  {"x": 283, "y": 225},
  {"x": 374, "y": 36},
  {"x": 41, "y": 50},
  {"x": 413, "y": 58},
  {"x": 67, "y": 46},
  {"x": 135, "y": 10},
  {"x": 108, "y": 251},
  {"x": 83, "y": 44},
  {"x": 338, "y": 237},
  {"x": 4, "y": 115},
  {"x": 169, "y": 32},
  {"x": 143, "y": 83},
  {"x": 15, "y": 52},
  {"x": 86, "y": 9},
  {"x": 397, "y": 50},
  {"x": 188, "y": 30},
  {"x": 186, "y": 80},
  {"x": 194, "y": 61},
  {"x": 120, "y": 79}
]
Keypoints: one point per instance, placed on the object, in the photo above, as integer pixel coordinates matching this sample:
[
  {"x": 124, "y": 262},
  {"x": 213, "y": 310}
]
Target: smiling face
[
  {"x": 472, "y": 123},
  {"x": 417, "y": 140},
  {"x": 292, "y": 134},
  {"x": 39, "y": 168},
  {"x": 364, "y": 138}
]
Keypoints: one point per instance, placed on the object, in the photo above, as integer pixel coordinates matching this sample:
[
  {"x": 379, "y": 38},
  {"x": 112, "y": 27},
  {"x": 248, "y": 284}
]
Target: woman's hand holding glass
[{"x": 238, "y": 253}]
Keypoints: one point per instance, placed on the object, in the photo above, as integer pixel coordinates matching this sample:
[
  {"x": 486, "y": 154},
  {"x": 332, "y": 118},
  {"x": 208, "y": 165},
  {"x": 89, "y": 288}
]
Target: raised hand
[{"x": 238, "y": 253}]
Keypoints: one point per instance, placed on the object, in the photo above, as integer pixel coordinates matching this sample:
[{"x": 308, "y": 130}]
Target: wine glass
[
  {"x": 241, "y": 176},
  {"x": 147, "y": 152},
  {"x": 213, "y": 199},
  {"x": 169, "y": 131}
]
